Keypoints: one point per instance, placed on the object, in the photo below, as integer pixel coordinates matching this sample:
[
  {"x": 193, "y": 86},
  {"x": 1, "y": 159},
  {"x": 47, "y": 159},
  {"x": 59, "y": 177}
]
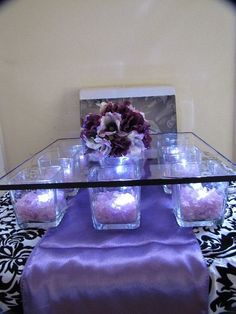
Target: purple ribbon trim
[{"x": 157, "y": 268}]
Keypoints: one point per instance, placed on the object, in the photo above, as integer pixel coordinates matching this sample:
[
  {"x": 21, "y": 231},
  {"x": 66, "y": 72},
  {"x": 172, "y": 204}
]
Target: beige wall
[
  {"x": 51, "y": 48},
  {"x": 2, "y": 157}
]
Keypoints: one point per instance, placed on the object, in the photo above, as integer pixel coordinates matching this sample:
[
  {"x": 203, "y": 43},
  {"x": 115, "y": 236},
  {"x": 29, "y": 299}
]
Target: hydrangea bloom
[{"x": 118, "y": 130}]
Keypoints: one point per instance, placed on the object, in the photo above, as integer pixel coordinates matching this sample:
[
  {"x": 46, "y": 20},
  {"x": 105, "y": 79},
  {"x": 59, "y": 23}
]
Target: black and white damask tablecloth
[{"x": 218, "y": 246}]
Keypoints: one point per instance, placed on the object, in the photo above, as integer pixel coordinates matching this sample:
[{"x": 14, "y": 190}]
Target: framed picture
[{"x": 157, "y": 103}]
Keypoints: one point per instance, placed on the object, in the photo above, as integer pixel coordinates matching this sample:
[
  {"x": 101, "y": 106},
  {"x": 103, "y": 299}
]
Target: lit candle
[
  {"x": 199, "y": 203},
  {"x": 115, "y": 208},
  {"x": 37, "y": 207}
]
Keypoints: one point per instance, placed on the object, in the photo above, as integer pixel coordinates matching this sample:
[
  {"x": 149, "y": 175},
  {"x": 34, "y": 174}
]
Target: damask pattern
[
  {"x": 15, "y": 247},
  {"x": 218, "y": 246}
]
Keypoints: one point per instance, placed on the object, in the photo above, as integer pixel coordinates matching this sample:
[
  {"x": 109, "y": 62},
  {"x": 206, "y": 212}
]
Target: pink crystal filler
[
  {"x": 198, "y": 203},
  {"x": 115, "y": 208},
  {"x": 36, "y": 207}
]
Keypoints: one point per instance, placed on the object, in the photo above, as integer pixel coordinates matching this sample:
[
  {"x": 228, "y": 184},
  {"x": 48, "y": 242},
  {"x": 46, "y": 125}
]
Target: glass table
[
  {"x": 156, "y": 168},
  {"x": 217, "y": 243}
]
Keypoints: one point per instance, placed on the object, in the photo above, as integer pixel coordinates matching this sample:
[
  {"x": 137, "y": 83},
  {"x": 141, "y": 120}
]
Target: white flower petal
[
  {"x": 137, "y": 146},
  {"x": 108, "y": 119}
]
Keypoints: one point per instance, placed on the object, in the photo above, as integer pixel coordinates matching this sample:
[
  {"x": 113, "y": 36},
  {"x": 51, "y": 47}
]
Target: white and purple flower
[
  {"x": 118, "y": 130},
  {"x": 109, "y": 125}
]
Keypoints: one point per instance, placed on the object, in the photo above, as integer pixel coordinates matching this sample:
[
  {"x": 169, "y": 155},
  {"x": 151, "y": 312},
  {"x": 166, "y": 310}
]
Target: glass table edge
[{"x": 139, "y": 182}]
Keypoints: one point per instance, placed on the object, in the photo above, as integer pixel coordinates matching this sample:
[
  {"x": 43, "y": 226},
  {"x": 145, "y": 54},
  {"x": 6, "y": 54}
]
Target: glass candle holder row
[{"x": 198, "y": 204}]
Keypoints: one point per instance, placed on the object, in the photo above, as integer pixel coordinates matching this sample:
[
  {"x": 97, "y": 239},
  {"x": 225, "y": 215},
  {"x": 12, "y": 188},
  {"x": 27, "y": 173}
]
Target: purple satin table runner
[{"x": 157, "y": 268}]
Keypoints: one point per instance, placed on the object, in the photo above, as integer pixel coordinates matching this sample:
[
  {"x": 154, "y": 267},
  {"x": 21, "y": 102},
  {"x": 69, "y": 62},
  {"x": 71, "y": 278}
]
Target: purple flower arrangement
[{"x": 118, "y": 130}]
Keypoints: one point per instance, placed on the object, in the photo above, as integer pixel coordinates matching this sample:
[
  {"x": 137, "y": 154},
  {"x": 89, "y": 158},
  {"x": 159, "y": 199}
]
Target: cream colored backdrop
[
  {"x": 51, "y": 48},
  {"x": 2, "y": 161}
]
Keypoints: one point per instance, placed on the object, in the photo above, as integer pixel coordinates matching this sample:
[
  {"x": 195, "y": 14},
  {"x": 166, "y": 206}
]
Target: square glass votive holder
[
  {"x": 182, "y": 161},
  {"x": 40, "y": 208},
  {"x": 115, "y": 207},
  {"x": 174, "y": 142},
  {"x": 201, "y": 204},
  {"x": 57, "y": 157},
  {"x": 74, "y": 149},
  {"x": 66, "y": 160}
]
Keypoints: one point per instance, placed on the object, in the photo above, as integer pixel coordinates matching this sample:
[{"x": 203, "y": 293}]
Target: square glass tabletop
[{"x": 173, "y": 158}]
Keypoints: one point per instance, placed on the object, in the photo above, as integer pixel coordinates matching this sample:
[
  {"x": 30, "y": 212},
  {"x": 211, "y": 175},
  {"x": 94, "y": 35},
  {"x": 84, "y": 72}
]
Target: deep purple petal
[{"x": 131, "y": 120}]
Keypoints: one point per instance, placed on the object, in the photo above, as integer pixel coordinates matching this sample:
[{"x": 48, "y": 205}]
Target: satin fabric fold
[{"x": 157, "y": 268}]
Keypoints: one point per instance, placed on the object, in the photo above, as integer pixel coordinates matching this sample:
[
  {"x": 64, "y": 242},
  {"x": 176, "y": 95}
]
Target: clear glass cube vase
[
  {"x": 38, "y": 208},
  {"x": 201, "y": 204},
  {"x": 115, "y": 207}
]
